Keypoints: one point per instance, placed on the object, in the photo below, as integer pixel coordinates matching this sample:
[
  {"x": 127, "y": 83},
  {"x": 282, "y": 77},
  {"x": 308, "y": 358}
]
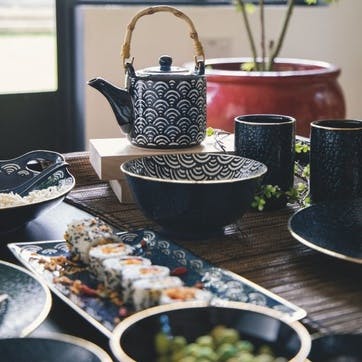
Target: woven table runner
[{"x": 259, "y": 248}]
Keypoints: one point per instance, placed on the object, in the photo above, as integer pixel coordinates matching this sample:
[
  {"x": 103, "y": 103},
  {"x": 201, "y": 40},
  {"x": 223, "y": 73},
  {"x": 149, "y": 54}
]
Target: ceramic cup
[
  {"x": 335, "y": 159},
  {"x": 270, "y": 139}
]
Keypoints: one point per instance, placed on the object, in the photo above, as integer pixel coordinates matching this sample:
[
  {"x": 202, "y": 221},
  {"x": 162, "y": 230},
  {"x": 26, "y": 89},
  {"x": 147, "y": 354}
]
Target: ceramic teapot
[{"x": 164, "y": 106}]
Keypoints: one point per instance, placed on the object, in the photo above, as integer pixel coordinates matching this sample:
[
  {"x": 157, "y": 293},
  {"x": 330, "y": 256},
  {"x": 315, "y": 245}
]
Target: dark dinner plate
[
  {"x": 337, "y": 348},
  {"x": 333, "y": 228},
  {"x": 54, "y": 348},
  {"x": 28, "y": 301}
]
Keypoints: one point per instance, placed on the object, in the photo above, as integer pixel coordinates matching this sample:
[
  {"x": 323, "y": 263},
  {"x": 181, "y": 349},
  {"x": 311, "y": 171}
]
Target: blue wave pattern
[
  {"x": 195, "y": 167},
  {"x": 169, "y": 113},
  {"x": 224, "y": 284}
]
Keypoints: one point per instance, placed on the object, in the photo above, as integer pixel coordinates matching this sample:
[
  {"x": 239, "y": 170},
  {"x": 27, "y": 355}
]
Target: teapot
[{"x": 163, "y": 106}]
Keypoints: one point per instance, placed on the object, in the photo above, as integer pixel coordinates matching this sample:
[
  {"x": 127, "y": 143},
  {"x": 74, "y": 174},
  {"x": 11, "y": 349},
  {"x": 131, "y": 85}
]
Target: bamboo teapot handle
[{"x": 126, "y": 48}]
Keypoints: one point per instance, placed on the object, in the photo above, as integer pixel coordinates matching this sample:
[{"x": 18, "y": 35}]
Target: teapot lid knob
[{"x": 165, "y": 63}]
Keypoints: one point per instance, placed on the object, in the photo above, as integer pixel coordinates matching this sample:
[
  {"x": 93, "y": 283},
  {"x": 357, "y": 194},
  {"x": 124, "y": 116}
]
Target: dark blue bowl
[
  {"x": 193, "y": 194},
  {"x": 259, "y": 325},
  {"x": 337, "y": 348},
  {"x": 21, "y": 169},
  {"x": 53, "y": 347}
]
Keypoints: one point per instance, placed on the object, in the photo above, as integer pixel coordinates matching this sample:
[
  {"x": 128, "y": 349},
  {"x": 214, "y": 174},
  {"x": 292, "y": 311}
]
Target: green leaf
[
  {"x": 301, "y": 147},
  {"x": 306, "y": 171},
  {"x": 248, "y": 66},
  {"x": 250, "y": 8},
  {"x": 210, "y": 131}
]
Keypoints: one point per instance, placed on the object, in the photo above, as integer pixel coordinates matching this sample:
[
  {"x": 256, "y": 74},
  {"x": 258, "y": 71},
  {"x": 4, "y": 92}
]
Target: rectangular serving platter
[{"x": 103, "y": 314}]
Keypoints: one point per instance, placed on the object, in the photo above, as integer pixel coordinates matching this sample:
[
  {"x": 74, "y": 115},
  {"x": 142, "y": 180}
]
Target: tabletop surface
[{"x": 259, "y": 247}]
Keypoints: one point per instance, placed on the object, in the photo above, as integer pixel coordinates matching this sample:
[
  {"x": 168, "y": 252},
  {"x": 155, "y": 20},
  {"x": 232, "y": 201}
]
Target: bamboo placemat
[{"x": 260, "y": 248}]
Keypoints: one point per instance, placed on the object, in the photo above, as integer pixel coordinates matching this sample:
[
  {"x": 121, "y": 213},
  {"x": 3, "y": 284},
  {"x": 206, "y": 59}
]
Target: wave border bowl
[
  {"x": 14, "y": 217},
  {"x": 192, "y": 194}
]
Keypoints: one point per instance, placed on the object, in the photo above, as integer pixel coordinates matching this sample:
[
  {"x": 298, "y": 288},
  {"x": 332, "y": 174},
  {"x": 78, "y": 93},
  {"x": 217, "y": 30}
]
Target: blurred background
[{"x": 50, "y": 48}]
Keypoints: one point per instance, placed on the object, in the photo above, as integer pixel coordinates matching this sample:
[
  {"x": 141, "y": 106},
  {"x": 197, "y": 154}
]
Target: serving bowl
[
  {"x": 192, "y": 194},
  {"x": 43, "y": 195},
  {"x": 134, "y": 338}
]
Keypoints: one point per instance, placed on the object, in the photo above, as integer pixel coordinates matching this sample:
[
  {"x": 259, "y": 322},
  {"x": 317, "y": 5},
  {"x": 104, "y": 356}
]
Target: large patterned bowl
[{"x": 193, "y": 194}]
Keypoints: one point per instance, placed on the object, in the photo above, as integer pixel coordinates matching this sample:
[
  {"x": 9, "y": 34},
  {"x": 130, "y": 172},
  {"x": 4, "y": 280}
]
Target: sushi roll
[
  {"x": 113, "y": 268},
  {"x": 131, "y": 273},
  {"x": 99, "y": 253},
  {"x": 81, "y": 235},
  {"x": 146, "y": 293},
  {"x": 183, "y": 294}
]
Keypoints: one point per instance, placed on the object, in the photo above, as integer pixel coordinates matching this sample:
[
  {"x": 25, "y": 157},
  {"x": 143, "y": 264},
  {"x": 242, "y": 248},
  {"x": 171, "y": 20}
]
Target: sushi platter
[{"x": 105, "y": 312}]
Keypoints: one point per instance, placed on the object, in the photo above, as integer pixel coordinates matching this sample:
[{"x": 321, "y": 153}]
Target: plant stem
[
  {"x": 279, "y": 43},
  {"x": 241, "y": 4},
  {"x": 262, "y": 27}
]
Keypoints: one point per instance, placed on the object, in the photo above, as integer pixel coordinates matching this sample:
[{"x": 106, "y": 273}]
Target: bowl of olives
[{"x": 198, "y": 331}]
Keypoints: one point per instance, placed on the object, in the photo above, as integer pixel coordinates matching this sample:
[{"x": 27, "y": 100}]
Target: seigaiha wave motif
[
  {"x": 196, "y": 167},
  {"x": 169, "y": 114}
]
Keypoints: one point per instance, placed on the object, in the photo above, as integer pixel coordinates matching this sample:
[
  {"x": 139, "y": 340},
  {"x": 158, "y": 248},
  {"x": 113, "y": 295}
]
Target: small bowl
[
  {"x": 192, "y": 194},
  {"x": 134, "y": 338},
  {"x": 337, "y": 348},
  {"x": 17, "y": 171},
  {"x": 52, "y": 347}
]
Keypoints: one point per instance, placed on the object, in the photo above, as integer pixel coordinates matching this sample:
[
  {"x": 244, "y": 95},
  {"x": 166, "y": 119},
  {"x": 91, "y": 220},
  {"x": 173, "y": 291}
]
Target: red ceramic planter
[{"x": 304, "y": 89}]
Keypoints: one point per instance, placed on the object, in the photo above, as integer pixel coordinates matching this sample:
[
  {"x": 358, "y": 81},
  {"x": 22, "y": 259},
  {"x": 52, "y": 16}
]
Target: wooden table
[{"x": 259, "y": 248}]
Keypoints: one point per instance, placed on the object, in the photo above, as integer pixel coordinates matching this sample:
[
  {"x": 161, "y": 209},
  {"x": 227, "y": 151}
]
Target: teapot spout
[{"x": 120, "y": 101}]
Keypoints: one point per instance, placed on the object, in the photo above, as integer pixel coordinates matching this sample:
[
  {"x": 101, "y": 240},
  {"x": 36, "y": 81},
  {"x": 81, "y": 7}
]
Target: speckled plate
[
  {"x": 103, "y": 314},
  {"x": 28, "y": 302},
  {"x": 53, "y": 347},
  {"x": 333, "y": 228}
]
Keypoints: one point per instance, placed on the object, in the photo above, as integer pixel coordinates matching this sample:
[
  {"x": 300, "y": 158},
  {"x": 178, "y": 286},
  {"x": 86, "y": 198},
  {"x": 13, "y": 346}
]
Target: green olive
[
  {"x": 162, "y": 343},
  {"x": 226, "y": 351},
  {"x": 264, "y": 349},
  {"x": 244, "y": 346},
  {"x": 188, "y": 359},
  {"x": 191, "y": 349},
  {"x": 217, "y": 332},
  {"x": 177, "y": 343},
  {"x": 220, "y": 345},
  {"x": 245, "y": 356},
  {"x": 205, "y": 341},
  {"x": 229, "y": 335},
  {"x": 264, "y": 358}
]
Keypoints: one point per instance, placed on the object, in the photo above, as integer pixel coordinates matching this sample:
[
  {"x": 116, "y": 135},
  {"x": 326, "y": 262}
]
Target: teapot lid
[{"x": 165, "y": 67}]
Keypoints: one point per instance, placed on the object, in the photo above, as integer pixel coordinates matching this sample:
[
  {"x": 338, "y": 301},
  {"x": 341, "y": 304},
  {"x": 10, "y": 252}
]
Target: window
[{"x": 28, "y": 46}]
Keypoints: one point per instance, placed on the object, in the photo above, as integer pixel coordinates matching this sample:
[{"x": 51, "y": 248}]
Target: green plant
[
  {"x": 265, "y": 61},
  {"x": 298, "y": 194}
]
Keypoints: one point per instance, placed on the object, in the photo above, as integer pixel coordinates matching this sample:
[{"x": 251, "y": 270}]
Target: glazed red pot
[{"x": 305, "y": 89}]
